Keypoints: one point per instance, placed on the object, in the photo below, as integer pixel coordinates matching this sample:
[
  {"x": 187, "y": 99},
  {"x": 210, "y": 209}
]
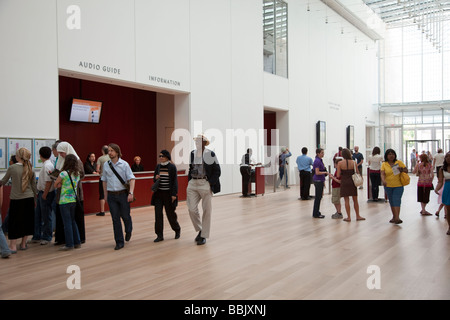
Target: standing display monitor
[{"x": 88, "y": 111}]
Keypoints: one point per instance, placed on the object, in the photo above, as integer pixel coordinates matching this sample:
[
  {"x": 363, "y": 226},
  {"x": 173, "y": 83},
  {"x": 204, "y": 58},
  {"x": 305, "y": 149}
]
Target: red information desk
[{"x": 142, "y": 191}]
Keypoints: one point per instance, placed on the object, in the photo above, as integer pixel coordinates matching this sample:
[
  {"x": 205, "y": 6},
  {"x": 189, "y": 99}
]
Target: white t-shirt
[
  {"x": 375, "y": 162},
  {"x": 47, "y": 167},
  {"x": 439, "y": 159}
]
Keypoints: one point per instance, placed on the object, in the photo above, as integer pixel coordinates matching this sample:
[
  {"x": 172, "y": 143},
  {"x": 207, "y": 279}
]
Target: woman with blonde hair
[{"x": 23, "y": 192}]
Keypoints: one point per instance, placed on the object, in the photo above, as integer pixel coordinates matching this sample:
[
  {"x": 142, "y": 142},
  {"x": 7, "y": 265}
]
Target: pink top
[{"x": 425, "y": 175}]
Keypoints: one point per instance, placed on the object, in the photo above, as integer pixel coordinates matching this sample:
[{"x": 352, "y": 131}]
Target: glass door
[{"x": 394, "y": 140}]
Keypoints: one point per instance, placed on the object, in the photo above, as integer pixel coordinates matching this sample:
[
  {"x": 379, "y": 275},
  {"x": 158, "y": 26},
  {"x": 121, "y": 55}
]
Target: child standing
[{"x": 336, "y": 191}]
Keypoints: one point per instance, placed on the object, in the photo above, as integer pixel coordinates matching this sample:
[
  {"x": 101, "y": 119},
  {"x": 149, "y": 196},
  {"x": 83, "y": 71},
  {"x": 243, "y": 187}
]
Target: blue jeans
[
  {"x": 43, "y": 225},
  {"x": 394, "y": 195},
  {"x": 70, "y": 226},
  {"x": 3, "y": 243},
  {"x": 282, "y": 174},
  {"x": 119, "y": 207}
]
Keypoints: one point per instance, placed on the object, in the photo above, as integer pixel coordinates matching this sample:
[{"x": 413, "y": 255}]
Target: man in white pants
[{"x": 204, "y": 173}]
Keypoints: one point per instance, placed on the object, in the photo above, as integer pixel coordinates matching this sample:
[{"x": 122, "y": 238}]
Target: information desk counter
[{"x": 142, "y": 191}]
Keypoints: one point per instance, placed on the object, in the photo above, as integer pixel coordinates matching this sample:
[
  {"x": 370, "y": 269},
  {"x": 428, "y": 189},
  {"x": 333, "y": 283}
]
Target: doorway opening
[{"x": 420, "y": 146}]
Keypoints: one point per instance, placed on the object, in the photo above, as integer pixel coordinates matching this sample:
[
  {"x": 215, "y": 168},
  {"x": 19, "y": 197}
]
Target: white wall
[
  {"x": 209, "y": 55},
  {"x": 331, "y": 79},
  {"x": 28, "y": 69}
]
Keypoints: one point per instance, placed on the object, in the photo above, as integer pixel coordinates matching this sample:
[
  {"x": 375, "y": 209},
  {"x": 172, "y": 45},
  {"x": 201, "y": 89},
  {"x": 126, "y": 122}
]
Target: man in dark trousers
[
  {"x": 247, "y": 171},
  {"x": 304, "y": 165}
]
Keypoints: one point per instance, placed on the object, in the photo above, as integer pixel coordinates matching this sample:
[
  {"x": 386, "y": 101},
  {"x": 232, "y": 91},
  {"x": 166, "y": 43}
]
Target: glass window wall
[
  {"x": 415, "y": 68},
  {"x": 422, "y": 130},
  {"x": 275, "y": 15}
]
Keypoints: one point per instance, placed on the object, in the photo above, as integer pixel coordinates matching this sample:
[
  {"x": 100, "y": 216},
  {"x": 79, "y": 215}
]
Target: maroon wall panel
[
  {"x": 128, "y": 118},
  {"x": 270, "y": 122}
]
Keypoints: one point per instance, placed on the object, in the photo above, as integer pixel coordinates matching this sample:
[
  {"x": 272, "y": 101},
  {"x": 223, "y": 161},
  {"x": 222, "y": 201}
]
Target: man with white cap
[{"x": 204, "y": 173}]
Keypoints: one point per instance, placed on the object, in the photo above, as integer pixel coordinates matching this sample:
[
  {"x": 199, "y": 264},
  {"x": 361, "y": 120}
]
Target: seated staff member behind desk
[
  {"x": 247, "y": 172},
  {"x": 117, "y": 195}
]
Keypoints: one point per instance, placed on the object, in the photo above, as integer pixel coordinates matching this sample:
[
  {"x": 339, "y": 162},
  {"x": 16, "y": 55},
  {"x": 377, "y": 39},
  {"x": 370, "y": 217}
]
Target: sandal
[
  {"x": 360, "y": 219},
  {"x": 347, "y": 219}
]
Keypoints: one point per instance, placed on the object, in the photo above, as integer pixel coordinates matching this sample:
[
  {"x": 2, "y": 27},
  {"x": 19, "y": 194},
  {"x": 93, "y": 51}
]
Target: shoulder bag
[
  {"x": 79, "y": 210},
  {"x": 126, "y": 185},
  {"x": 356, "y": 177},
  {"x": 155, "y": 185}
]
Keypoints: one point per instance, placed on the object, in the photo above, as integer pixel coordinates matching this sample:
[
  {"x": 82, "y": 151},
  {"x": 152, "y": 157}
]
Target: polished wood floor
[{"x": 266, "y": 247}]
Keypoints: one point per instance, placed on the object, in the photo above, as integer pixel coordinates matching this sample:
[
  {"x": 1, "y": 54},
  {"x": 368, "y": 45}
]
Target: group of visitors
[
  {"x": 388, "y": 171},
  {"x": 342, "y": 182},
  {"x": 58, "y": 190}
]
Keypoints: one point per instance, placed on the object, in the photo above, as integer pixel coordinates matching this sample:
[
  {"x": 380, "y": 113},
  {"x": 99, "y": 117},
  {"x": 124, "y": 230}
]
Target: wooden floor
[{"x": 267, "y": 247}]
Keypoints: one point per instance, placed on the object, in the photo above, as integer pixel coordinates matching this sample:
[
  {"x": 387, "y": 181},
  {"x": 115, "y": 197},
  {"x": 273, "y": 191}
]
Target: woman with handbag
[
  {"x": 391, "y": 171},
  {"x": 63, "y": 149},
  {"x": 424, "y": 170},
  {"x": 346, "y": 169},
  {"x": 68, "y": 180},
  {"x": 165, "y": 190}
]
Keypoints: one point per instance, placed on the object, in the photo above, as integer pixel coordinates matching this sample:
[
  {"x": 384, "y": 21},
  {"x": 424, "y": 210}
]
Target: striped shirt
[{"x": 164, "y": 178}]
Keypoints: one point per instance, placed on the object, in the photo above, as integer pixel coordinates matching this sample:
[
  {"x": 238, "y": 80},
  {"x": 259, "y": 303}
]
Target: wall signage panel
[{"x": 97, "y": 37}]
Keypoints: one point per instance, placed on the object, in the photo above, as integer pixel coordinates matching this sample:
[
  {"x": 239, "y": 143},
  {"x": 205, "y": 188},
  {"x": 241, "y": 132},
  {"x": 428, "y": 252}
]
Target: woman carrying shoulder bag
[
  {"x": 391, "y": 170},
  {"x": 345, "y": 169},
  {"x": 68, "y": 180},
  {"x": 165, "y": 196}
]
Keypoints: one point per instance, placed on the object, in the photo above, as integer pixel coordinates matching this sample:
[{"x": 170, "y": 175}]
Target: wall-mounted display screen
[
  {"x": 85, "y": 111},
  {"x": 321, "y": 134},
  {"x": 350, "y": 137}
]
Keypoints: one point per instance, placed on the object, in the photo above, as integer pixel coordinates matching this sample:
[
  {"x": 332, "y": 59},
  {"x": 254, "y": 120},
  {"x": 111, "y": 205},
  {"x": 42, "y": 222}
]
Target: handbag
[
  {"x": 404, "y": 178},
  {"x": 126, "y": 185},
  {"x": 356, "y": 177},
  {"x": 155, "y": 185},
  {"x": 79, "y": 210}
]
